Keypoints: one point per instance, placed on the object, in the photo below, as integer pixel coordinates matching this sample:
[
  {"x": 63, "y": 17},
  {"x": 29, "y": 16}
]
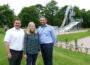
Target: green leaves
[
  {"x": 29, "y": 14},
  {"x": 6, "y": 15},
  {"x": 51, "y": 11}
]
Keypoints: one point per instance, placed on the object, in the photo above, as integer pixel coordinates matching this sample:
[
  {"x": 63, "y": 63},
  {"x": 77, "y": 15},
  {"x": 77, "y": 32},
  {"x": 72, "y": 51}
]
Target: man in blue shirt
[{"x": 47, "y": 40}]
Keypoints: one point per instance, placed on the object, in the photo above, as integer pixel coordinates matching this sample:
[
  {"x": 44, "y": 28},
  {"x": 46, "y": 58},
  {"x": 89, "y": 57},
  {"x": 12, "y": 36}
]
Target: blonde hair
[{"x": 29, "y": 24}]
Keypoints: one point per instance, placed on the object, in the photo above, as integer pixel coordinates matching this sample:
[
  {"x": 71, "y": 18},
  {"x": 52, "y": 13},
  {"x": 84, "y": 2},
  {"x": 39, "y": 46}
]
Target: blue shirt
[{"x": 47, "y": 34}]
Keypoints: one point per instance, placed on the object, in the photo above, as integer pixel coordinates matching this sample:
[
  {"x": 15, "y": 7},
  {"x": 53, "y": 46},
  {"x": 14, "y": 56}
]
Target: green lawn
[
  {"x": 61, "y": 56},
  {"x": 73, "y": 36}
]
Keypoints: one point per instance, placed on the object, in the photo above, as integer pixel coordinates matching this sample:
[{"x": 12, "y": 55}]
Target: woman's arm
[
  {"x": 39, "y": 41},
  {"x": 25, "y": 42}
]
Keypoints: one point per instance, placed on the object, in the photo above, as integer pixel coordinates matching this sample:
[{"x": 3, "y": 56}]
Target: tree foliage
[
  {"x": 51, "y": 11},
  {"x": 29, "y": 14},
  {"x": 6, "y": 16}
]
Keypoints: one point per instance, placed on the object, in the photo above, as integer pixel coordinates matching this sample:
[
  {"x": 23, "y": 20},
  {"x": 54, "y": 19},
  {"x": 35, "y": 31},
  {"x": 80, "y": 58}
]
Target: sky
[{"x": 17, "y": 5}]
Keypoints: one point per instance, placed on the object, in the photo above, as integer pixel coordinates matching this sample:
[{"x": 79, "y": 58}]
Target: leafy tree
[
  {"x": 77, "y": 12},
  {"x": 40, "y": 9},
  {"x": 50, "y": 11},
  {"x": 6, "y": 16},
  {"x": 28, "y": 14},
  {"x": 60, "y": 16},
  {"x": 87, "y": 19}
]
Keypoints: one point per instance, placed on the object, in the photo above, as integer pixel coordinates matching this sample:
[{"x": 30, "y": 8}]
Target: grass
[
  {"x": 73, "y": 36},
  {"x": 61, "y": 56},
  {"x": 71, "y": 58}
]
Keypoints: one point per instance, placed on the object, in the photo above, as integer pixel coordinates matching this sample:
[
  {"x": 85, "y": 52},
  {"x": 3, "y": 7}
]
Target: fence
[{"x": 74, "y": 47}]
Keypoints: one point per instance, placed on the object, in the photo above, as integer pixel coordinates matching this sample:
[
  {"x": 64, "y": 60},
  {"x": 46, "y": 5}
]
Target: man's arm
[
  {"x": 53, "y": 35},
  {"x": 7, "y": 50},
  {"x": 7, "y": 40}
]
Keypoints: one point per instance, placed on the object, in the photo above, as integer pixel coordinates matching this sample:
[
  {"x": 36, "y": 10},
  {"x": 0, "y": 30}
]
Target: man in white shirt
[{"x": 14, "y": 43}]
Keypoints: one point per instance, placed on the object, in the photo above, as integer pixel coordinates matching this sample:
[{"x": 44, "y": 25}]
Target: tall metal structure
[{"x": 69, "y": 21}]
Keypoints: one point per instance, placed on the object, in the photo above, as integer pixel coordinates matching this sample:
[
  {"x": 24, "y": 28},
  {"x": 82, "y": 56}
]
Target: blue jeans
[
  {"x": 47, "y": 52},
  {"x": 31, "y": 59}
]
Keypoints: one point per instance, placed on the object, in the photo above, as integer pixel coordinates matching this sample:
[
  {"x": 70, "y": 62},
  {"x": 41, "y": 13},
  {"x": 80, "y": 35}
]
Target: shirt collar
[
  {"x": 44, "y": 25},
  {"x": 16, "y": 29}
]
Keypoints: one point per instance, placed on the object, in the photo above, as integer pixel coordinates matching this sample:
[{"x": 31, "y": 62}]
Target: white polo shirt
[{"x": 15, "y": 38}]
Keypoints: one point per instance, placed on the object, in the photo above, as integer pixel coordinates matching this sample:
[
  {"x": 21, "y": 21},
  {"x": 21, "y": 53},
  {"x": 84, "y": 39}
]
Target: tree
[
  {"x": 40, "y": 9},
  {"x": 6, "y": 16},
  {"x": 28, "y": 14},
  {"x": 50, "y": 11},
  {"x": 60, "y": 16},
  {"x": 77, "y": 12},
  {"x": 86, "y": 18}
]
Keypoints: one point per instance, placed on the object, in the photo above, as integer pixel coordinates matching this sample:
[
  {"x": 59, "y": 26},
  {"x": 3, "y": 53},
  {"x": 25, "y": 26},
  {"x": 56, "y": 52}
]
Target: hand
[
  {"x": 9, "y": 55},
  {"x": 25, "y": 56}
]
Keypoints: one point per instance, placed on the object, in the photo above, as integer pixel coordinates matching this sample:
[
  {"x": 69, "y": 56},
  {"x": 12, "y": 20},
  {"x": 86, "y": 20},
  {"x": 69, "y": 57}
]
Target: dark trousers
[
  {"x": 31, "y": 59},
  {"x": 16, "y": 57},
  {"x": 47, "y": 52}
]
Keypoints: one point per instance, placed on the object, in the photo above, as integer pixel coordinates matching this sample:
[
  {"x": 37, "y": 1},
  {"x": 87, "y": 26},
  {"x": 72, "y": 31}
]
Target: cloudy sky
[{"x": 17, "y": 5}]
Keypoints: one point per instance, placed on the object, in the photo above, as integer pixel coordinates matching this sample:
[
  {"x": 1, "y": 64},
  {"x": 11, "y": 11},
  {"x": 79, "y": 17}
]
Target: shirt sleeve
[
  {"x": 53, "y": 35},
  {"x": 7, "y": 37}
]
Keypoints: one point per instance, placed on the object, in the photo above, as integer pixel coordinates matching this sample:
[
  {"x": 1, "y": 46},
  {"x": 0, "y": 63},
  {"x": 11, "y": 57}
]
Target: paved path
[{"x": 77, "y": 31}]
